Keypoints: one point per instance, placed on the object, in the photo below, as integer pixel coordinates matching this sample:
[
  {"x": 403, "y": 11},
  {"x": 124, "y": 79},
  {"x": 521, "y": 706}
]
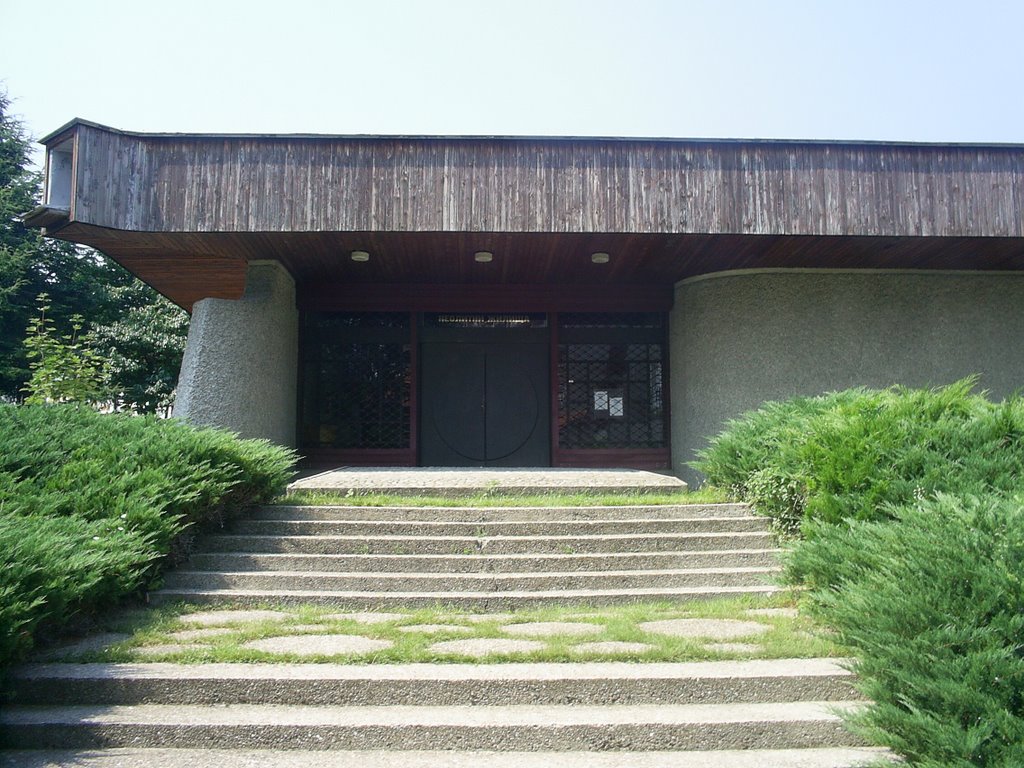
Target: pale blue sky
[{"x": 914, "y": 71}]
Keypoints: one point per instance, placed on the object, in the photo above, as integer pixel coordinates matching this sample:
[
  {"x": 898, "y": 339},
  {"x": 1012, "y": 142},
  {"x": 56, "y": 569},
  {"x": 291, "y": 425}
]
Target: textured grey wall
[
  {"x": 241, "y": 359},
  {"x": 741, "y": 338}
]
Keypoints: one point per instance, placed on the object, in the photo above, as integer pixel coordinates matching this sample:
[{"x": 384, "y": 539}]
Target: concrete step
[
  {"x": 840, "y": 757},
  {"x": 644, "y": 727},
  {"x": 463, "y": 481},
  {"x": 633, "y": 526},
  {"x": 521, "y": 563},
  {"x": 472, "y": 601},
  {"x": 498, "y": 514},
  {"x": 472, "y": 582},
  {"x": 473, "y": 545},
  {"x": 713, "y": 682}
]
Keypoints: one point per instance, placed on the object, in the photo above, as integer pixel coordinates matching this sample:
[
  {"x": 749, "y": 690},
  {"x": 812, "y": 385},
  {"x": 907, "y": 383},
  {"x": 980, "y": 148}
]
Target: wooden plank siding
[{"x": 152, "y": 183}]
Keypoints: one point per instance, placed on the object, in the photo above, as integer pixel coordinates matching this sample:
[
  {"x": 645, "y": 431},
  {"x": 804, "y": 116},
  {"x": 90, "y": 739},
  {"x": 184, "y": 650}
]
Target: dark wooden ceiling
[{"x": 189, "y": 266}]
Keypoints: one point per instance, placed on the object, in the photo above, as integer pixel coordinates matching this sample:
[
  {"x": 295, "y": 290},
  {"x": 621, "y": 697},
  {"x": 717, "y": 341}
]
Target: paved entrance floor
[{"x": 461, "y": 481}]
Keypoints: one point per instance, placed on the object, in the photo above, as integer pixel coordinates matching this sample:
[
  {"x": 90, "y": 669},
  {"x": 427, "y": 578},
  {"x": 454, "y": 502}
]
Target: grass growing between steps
[
  {"x": 772, "y": 629},
  {"x": 705, "y": 495}
]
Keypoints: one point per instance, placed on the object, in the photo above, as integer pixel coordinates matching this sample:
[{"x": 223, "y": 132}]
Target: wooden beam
[{"x": 384, "y": 297}]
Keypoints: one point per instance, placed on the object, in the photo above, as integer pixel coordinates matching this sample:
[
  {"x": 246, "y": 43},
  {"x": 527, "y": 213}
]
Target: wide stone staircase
[
  {"x": 727, "y": 713},
  {"x": 482, "y": 558}
]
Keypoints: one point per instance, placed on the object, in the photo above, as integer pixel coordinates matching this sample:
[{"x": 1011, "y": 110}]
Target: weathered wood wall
[{"x": 326, "y": 184}]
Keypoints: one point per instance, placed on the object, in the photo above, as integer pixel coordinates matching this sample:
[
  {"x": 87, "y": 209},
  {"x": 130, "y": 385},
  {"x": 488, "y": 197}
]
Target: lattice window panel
[
  {"x": 357, "y": 381},
  {"x": 611, "y": 396}
]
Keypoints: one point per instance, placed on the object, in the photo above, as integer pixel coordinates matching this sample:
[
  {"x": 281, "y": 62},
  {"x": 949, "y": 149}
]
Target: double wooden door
[{"x": 485, "y": 403}]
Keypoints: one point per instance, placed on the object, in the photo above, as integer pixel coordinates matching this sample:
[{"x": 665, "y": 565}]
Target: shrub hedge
[
  {"x": 859, "y": 453},
  {"x": 909, "y": 510},
  {"x": 933, "y": 604},
  {"x": 92, "y": 506}
]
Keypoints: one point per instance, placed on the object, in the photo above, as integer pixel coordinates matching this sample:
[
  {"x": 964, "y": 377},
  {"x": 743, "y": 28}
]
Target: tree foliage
[
  {"x": 65, "y": 369},
  {"x": 142, "y": 349}
]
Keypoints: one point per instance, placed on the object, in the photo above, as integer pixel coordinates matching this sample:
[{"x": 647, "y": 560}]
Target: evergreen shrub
[
  {"x": 908, "y": 508},
  {"x": 92, "y": 506},
  {"x": 933, "y": 604},
  {"x": 859, "y": 453}
]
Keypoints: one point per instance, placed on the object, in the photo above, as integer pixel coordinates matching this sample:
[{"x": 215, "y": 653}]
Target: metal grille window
[
  {"x": 610, "y": 389},
  {"x": 356, "y": 380}
]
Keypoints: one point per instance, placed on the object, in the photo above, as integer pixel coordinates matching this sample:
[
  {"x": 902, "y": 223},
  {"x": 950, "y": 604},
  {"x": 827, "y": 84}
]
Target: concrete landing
[{"x": 465, "y": 481}]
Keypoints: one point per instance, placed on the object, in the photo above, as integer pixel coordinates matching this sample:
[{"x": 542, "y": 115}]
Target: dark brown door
[{"x": 485, "y": 404}]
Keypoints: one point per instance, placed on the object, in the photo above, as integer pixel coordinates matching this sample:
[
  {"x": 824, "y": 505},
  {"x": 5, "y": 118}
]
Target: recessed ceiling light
[
  {"x": 600, "y": 257},
  {"x": 360, "y": 256},
  {"x": 483, "y": 256}
]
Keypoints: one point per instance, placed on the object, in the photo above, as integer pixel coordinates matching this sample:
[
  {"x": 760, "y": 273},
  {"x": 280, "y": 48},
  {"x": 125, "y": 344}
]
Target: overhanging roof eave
[{"x": 48, "y": 138}]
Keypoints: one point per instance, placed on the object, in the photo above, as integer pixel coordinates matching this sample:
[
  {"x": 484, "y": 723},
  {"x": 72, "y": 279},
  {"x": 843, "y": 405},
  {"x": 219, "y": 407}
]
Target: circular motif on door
[
  {"x": 486, "y": 412},
  {"x": 513, "y": 406}
]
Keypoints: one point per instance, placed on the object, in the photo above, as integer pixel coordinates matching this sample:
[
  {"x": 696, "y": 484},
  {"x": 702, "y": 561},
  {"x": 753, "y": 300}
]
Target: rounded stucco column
[
  {"x": 240, "y": 366},
  {"x": 739, "y": 339}
]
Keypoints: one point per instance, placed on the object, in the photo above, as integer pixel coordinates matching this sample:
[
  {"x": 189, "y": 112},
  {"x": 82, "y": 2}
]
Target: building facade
[{"x": 482, "y": 301}]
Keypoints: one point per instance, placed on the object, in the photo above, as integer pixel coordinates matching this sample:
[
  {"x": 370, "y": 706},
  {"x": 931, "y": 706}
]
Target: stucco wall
[
  {"x": 241, "y": 359},
  {"x": 741, "y": 338}
]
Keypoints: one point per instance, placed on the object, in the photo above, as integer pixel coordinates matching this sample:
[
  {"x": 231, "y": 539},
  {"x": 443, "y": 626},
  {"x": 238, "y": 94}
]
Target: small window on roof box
[{"x": 58, "y": 175}]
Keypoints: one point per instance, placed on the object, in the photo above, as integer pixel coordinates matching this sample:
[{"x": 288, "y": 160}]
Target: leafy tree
[
  {"x": 65, "y": 369},
  {"x": 78, "y": 281},
  {"x": 142, "y": 349}
]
